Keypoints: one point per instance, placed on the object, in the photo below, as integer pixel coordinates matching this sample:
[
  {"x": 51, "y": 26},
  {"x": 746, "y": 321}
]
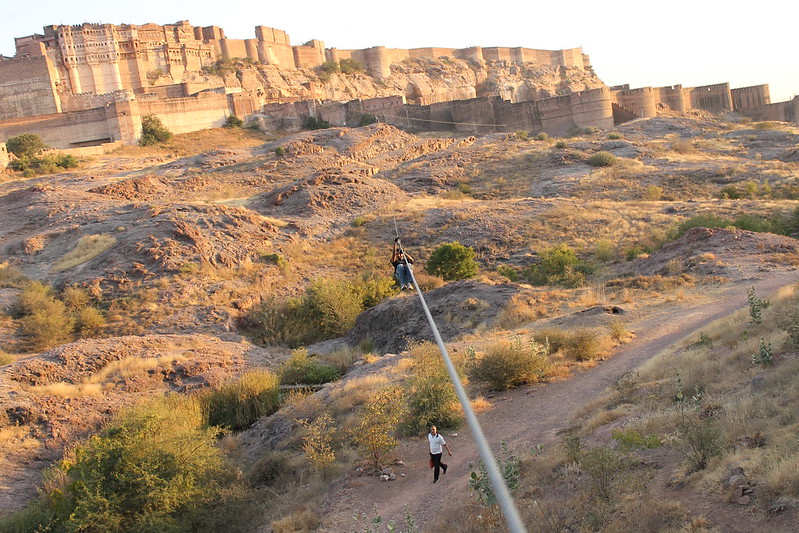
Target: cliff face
[{"x": 422, "y": 81}]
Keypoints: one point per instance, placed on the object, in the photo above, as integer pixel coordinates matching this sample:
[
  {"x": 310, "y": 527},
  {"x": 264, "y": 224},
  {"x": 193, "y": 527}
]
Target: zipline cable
[{"x": 512, "y": 517}]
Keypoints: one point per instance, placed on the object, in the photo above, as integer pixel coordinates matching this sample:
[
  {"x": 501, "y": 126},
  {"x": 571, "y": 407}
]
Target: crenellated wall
[
  {"x": 781, "y": 111},
  {"x": 673, "y": 97},
  {"x": 642, "y": 102},
  {"x": 754, "y": 96},
  {"x": 715, "y": 98}
]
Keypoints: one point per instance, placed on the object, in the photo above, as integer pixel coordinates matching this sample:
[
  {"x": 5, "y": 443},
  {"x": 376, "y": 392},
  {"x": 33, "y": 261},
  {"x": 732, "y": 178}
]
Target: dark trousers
[{"x": 437, "y": 465}]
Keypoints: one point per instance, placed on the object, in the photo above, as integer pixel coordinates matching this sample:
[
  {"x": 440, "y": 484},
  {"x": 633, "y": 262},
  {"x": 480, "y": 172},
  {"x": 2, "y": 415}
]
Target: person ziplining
[{"x": 402, "y": 266}]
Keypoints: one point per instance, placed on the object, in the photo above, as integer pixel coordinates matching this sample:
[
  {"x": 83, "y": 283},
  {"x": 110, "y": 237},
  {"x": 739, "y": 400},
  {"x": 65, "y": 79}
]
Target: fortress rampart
[{"x": 92, "y": 83}]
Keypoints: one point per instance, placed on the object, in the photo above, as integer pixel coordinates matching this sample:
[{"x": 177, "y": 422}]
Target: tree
[
  {"x": 25, "y": 145},
  {"x": 382, "y": 415},
  {"x": 452, "y": 261},
  {"x": 233, "y": 122},
  {"x": 153, "y": 131},
  {"x": 318, "y": 443}
]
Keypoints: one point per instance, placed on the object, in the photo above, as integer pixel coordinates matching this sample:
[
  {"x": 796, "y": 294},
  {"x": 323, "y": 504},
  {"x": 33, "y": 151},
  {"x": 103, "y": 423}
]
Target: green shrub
[
  {"x": 49, "y": 325},
  {"x": 232, "y": 121},
  {"x": 521, "y": 135},
  {"x": 275, "y": 259},
  {"x": 430, "y": 394},
  {"x": 89, "y": 321},
  {"x": 35, "y": 517},
  {"x": 312, "y": 123},
  {"x": 653, "y": 193},
  {"x": 366, "y": 119},
  {"x": 452, "y": 261},
  {"x": 541, "y": 136},
  {"x": 602, "y": 159},
  {"x": 350, "y": 66},
  {"x": 280, "y": 151},
  {"x": 327, "y": 310},
  {"x": 508, "y": 464},
  {"x": 604, "y": 467},
  {"x": 509, "y": 272},
  {"x": 582, "y": 344},
  {"x": 631, "y": 440},
  {"x": 6, "y": 359},
  {"x": 153, "y": 131},
  {"x": 561, "y": 144},
  {"x": 153, "y": 468},
  {"x": 270, "y": 467},
  {"x": 12, "y": 277},
  {"x": 301, "y": 369},
  {"x": 25, "y": 145},
  {"x": 702, "y": 221},
  {"x": 554, "y": 339},
  {"x": 508, "y": 364},
  {"x": 698, "y": 439},
  {"x": 753, "y": 223},
  {"x": 558, "y": 265},
  {"x": 239, "y": 403},
  {"x": 615, "y": 135},
  {"x": 47, "y": 163},
  {"x": 730, "y": 192},
  {"x": 604, "y": 251}
]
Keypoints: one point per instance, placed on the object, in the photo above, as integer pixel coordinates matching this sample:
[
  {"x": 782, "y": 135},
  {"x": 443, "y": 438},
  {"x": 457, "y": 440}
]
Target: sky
[{"x": 640, "y": 43}]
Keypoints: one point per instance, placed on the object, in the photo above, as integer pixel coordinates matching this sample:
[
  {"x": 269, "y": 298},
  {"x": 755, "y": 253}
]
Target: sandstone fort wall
[
  {"x": 63, "y": 130},
  {"x": 755, "y": 96},
  {"x": 642, "y": 102},
  {"x": 781, "y": 111},
  {"x": 716, "y": 98},
  {"x": 4, "y": 158},
  {"x": 27, "y": 88},
  {"x": 183, "y": 115}
]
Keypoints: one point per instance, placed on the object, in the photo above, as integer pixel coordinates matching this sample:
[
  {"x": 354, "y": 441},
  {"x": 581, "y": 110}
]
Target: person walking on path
[
  {"x": 402, "y": 264},
  {"x": 437, "y": 445}
]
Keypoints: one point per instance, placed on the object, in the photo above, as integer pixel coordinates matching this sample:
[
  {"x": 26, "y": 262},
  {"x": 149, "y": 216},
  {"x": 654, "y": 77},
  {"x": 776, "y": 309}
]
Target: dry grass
[
  {"x": 87, "y": 248},
  {"x": 102, "y": 381}
]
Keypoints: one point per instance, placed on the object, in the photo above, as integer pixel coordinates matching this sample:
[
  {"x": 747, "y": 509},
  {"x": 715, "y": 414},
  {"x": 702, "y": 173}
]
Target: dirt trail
[{"x": 529, "y": 416}]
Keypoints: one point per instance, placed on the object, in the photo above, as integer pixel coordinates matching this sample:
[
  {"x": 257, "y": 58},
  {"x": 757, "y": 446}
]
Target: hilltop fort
[{"x": 90, "y": 84}]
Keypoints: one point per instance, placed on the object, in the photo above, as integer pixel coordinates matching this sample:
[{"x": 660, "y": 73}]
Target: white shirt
[{"x": 436, "y": 442}]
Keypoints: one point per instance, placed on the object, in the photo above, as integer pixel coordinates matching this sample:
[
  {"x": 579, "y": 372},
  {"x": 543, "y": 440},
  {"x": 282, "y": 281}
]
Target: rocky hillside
[
  {"x": 420, "y": 80},
  {"x": 179, "y": 247}
]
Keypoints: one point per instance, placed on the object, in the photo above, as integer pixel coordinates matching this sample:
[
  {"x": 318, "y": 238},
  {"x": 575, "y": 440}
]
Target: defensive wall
[
  {"x": 556, "y": 115},
  {"x": 3, "y": 155},
  {"x": 27, "y": 87},
  {"x": 754, "y": 96},
  {"x": 781, "y": 111}
]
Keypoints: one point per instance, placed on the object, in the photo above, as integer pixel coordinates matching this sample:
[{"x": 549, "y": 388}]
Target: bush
[
  {"x": 366, "y": 119},
  {"x": 452, "y": 261},
  {"x": 508, "y": 364},
  {"x": 541, "y": 136},
  {"x": 430, "y": 393},
  {"x": 49, "y": 325},
  {"x": 561, "y": 144},
  {"x": 300, "y": 369},
  {"x": 312, "y": 123},
  {"x": 602, "y": 159},
  {"x": 615, "y": 135},
  {"x": 521, "y": 135},
  {"x": 698, "y": 439},
  {"x": 153, "y": 468},
  {"x": 582, "y": 344},
  {"x": 47, "y": 163},
  {"x": 232, "y": 121},
  {"x": 153, "y": 131},
  {"x": 558, "y": 265},
  {"x": 350, "y": 66},
  {"x": 25, "y": 145},
  {"x": 240, "y": 403},
  {"x": 702, "y": 221},
  {"x": 280, "y": 151}
]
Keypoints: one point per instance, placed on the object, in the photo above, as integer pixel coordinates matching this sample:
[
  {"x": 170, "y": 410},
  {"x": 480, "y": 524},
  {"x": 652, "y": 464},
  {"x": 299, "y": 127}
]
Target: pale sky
[{"x": 697, "y": 42}]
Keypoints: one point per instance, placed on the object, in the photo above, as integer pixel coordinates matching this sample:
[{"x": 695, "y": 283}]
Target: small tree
[
  {"x": 318, "y": 443},
  {"x": 233, "y": 122},
  {"x": 153, "y": 131},
  {"x": 25, "y": 145},
  {"x": 452, "y": 261},
  {"x": 379, "y": 422}
]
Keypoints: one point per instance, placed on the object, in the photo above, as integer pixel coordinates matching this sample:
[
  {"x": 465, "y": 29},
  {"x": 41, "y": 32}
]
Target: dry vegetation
[{"x": 197, "y": 237}]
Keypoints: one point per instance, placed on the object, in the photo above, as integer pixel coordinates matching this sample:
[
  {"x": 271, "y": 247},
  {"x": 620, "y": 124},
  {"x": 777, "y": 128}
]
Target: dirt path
[{"x": 529, "y": 416}]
